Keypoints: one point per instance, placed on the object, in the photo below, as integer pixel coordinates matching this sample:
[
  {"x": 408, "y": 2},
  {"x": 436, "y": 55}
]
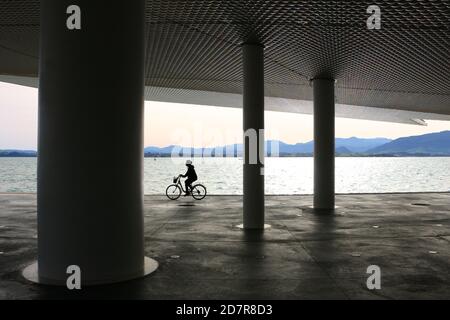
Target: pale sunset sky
[{"x": 190, "y": 125}]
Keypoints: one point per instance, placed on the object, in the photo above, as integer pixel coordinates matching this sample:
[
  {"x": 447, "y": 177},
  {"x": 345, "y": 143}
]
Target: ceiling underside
[{"x": 194, "y": 55}]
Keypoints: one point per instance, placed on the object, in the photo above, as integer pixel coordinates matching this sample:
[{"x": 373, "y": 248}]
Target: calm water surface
[{"x": 283, "y": 175}]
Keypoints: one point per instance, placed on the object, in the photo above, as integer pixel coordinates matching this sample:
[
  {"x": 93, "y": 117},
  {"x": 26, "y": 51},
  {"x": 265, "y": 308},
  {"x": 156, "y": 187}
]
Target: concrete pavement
[{"x": 304, "y": 255}]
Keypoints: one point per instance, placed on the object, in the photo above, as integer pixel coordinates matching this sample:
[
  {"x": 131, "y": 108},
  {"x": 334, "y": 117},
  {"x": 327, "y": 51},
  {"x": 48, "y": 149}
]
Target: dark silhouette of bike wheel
[
  {"x": 173, "y": 192},
  {"x": 198, "y": 192}
]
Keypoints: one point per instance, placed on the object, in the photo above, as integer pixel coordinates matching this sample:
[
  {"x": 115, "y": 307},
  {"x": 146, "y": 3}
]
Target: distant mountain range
[
  {"x": 17, "y": 153},
  {"x": 432, "y": 144},
  {"x": 343, "y": 145}
]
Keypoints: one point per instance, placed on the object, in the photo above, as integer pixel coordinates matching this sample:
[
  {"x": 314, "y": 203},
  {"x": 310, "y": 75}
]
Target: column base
[
  {"x": 312, "y": 207},
  {"x": 241, "y": 226},
  {"x": 30, "y": 273},
  {"x": 323, "y": 211}
]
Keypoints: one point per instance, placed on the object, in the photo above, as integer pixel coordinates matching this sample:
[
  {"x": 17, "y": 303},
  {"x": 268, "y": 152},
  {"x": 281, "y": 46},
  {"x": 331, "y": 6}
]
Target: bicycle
[{"x": 173, "y": 191}]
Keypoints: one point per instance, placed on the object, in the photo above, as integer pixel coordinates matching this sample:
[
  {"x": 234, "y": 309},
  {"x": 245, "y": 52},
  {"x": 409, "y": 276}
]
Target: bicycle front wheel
[
  {"x": 173, "y": 192},
  {"x": 198, "y": 192}
]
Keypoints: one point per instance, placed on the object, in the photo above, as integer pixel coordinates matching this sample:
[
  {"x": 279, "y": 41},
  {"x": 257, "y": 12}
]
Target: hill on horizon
[{"x": 437, "y": 143}]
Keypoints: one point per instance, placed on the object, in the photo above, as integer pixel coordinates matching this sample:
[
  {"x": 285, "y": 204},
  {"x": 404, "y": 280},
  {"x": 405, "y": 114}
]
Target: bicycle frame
[{"x": 178, "y": 183}]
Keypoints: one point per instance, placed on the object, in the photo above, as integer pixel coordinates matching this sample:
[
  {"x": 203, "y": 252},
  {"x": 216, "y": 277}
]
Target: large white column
[
  {"x": 90, "y": 149},
  {"x": 324, "y": 135},
  {"x": 253, "y": 116}
]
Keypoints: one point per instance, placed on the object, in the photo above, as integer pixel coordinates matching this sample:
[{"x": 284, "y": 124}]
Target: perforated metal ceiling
[{"x": 194, "y": 45}]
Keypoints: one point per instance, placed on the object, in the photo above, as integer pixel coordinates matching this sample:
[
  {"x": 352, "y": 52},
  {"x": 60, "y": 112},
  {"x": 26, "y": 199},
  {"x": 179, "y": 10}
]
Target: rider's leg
[{"x": 187, "y": 184}]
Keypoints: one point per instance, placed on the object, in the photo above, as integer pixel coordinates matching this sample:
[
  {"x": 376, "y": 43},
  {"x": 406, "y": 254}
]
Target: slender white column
[{"x": 324, "y": 135}]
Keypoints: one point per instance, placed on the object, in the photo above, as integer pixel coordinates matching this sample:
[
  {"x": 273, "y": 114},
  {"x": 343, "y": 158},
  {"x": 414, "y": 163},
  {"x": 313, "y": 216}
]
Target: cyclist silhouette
[{"x": 191, "y": 176}]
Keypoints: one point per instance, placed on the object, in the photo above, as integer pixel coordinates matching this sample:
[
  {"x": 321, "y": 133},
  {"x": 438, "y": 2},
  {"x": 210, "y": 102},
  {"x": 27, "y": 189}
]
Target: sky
[{"x": 190, "y": 125}]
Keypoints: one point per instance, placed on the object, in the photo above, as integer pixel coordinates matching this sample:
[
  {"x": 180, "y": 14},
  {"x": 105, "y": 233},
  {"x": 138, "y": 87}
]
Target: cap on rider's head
[{"x": 188, "y": 162}]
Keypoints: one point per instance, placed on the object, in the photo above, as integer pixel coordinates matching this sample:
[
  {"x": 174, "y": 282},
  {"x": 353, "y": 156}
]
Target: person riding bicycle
[{"x": 191, "y": 176}]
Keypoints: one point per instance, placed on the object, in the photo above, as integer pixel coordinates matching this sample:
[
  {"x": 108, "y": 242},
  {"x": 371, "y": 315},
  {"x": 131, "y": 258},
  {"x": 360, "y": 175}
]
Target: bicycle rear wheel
[
  {"x": 198, "y": 192},
  {"x": 173, "y": 192}
]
